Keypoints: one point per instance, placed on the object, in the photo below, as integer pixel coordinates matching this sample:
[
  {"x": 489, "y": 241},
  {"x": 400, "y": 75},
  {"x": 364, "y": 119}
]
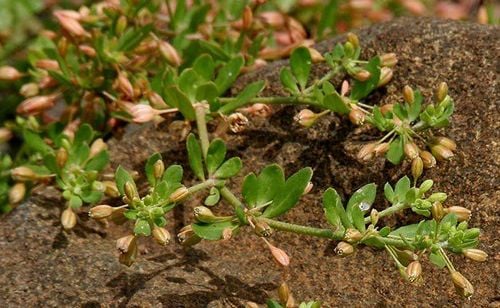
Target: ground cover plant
[{"x": 114, "y": 63}]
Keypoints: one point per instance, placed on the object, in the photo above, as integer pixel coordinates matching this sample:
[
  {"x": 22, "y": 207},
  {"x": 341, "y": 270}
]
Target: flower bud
[
  {"x": 273, "y": 18},
  {"x": 446, "y": 142},
  {"x": 263, "y": 229},
  {"x": 170, "y": 54},
  {"x": 362, "y": 75},
  {"x": 110, "y": 189},
  {"x": 475, "y": 254},
  {"x": 462, "y": 213},
  {"x": 385, "y": 76},
  {"x": 388, "y": 60},
  {"x": 462, "y": 285},
  {"x": 356, "y": 116},
  {"x": 279, "y": 255},
  {"x": 306, "y": 118},
  {"x": 344, "y": 88},
  {"x": 158, "y": 169},
  {"x": 352, "y": 235},
  {"x": 127, "y": 246},
  {"x": 101, "y": 211},
  {"x": 179, "y": 194},
  {"x": 124, "y": 85},
  {"x": 381, "y": 148},
  {"x": 23, "y": 174},
  {"x": 366, "y": 152},
  {"x": 68, "y": 219},
  {"x": 417, "y": 167},
  {"x": 408, "y": 95},
  {"x": 414, "y": 271},
  {"x": 17, "y": 193},
  {"x": 130, "y": 191},
  {"x": 374, "y": 217},
  {"x": 87, "y": 50},
  {"x": 425, "y": 186},
  {"x": 247, "y": 18},
  {"x": 386, "y": 108},
  {"x": 187, "y": 237},
  {"x": 161, "y": 235},
  {"x": 121, "y": 24},
  {"x": 316, "y": 56},
  {"x": 36, "y": 104},
  {"x": 353, "y": 39},
  {"x": 61, "y": 157},
  {"x": 142, "y": 113},
  {"x": 441, "y": 197},
  {"x": 29, "y": 89},
  {"x": 260, "y": 110},
  {"x": 156, "y": 101},
  {"x": 237, "y": 122},
  {"x": 411, "y": 150},
  {"x": 344, "y": 249},
  {"x": 441, "y": 152},
  {"x": 284, "y": 293},
  {"x": 5, "y": 134},
  {"x": 442, "y": 91},
  {"x": 47, "y": 64},
  {"x": 437, "y": 211},
  {"x": 428, "y": 159},
  {"x": 97, "y": 147},
  {"x": 204, "y": 214},
  {"x": 9, "y": 73},
  {"x": 70, "y": 24}
]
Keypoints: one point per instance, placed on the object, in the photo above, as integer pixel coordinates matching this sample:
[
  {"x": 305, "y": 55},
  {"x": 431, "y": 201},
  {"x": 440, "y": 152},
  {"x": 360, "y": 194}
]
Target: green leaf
[
  {"x": 84, "y": 134},
  {"x": 331, "y": 200},
  {"x": 133, "y": 37},
  {"x": 402, "y": 187},
  {"x": 35, "y": 142},
  {"x": 250, "y": 92},
  {"x": 300, "y": 63},
  {"x": 389, "y": 193},
  {"x": 142, "y": 227},
  {"x": 215, "y": 155},
  {"x": 75, "y": 202},
  {"x": 212, "y": 231},
  {"x": 194, "y": 155},
  {"x": 260, "y": 190},
  {"x": 98, "y": 162},
  {"x": 228, "y": 74},
  {"x": 437, "y": 260},
  {"x": 358, "y": 219},
  {"x": 173, "y": 174},
  {"x": 131, "y": 214},
  {"x": 229, "y": 168},
  {"x": 204, "y": 65},
  {"x": 92, "y": 197},
  {"x": 213, "y": 198},
  {"x": 271, "y": 303},
  {"x": 121, "y": 177},
  {"x": 215, "y": 50},
  {"x": 177, "y": 99},
  {"x": 207, "y": 92},
  {"x": 290, "y": 194},
  {"x": 149, "y": 168},
  {"x": 188, "y": 82},
  {"x": 288, "y": 81},
  {"x": 415, "y": 108},
  {"x": 396, "y": 153},
  {"x": 362, "y": 199},
  {"x": 361, "y": 89},
  {"x": 385, "y": 231},
  {"x": 335, "y": 103},
  {"x": 328, "y": 18}
]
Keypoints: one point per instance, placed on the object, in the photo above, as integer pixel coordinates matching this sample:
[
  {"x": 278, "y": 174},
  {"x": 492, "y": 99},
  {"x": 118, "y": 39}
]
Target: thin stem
[
  {"x": 279, "y": 100},
  {"x": 327, "y": 77},
  {"x": 449, "y": 265},
  {"x": 389, "y": 211},
  {"x": 365, "y": 105},
  {"x": 201, "y": 123},
  {"x": 235, "y": 202},
  {"x": 288, "y": 227},
  {"x": 207, "y": 184}
]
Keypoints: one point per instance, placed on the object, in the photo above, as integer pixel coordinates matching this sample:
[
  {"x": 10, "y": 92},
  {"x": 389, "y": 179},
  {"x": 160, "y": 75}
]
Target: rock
[{"x": 41, "y": 265}]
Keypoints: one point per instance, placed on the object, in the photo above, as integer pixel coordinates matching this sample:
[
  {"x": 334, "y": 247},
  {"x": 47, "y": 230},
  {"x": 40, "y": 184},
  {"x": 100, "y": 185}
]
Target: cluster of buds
[{"x": 442, "y": 148}]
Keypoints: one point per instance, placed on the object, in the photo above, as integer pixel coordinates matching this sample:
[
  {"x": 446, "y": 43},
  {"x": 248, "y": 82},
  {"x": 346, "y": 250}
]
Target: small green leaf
[
  {"x": 300, "y": 63},
  {"x": 402, "y": 187},
  {"x": 212, "y": 231},
  {"x": 288, "y": 81},
  {"x": 228, "y": 74},
  {"x": 142, "y": 227},
  {"x": 271, "y": 303},
  {"x": 215, "y": 155},
  {"x": 149, "y": 168},
  {"x": 176, "y": 98},
  {"x": 131, "y": 214},
  {"x": 290, "y": 194},
  {"x": 194, "y": 155},
  {"x": 250, "y": 91},
  {"x": 396, "y": 153},
  {"x": 98, "y": 162},
  {"x": 389, "y": 193},
  {"x": 229, "y": 168},
  {"x": 385, "y": 231},
  {"x": 358, "y": 219},
  {"x": 437, "y": 260},
  {"x": 362, "y": 199},
  {"x": 335, "y": 103},
  {"x": 84, "y": 134},
  {"x": 75, "y": 202},
  {"x": 213, "y": 198},
  {"x": 35, "y": 142},
  {"x": 121, "y": 177},
  {"x": 207, "y": 92},
  {"x": 188, "y": 82},
  {"x": 204, "y": 65},
  {"x": 330, "y": 203}
]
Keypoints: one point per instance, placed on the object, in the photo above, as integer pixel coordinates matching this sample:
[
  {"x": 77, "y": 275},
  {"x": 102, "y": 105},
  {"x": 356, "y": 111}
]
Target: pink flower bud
[
  {"x": 170, "y": 54},
  {"x": 279, "y": 255},
  {"x": 9, "y": 73},
  {"x": 142, "y": 113},
  {"x": 36, "y": 104},
  {"x": 47, "y": 64},
  {"x": 70, "y": 23}
]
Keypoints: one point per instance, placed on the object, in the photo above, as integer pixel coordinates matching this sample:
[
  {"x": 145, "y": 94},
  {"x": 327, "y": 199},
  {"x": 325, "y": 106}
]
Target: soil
[{"x": 41, "y": 265}]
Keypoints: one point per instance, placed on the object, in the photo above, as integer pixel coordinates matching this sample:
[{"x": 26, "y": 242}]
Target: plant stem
[
  {"x": 201, "y": 123},
  {"x": 207, "y": 184},
  {"x": 284, "y": 100},
  {"x": 389, "y": 211},
  {"x": 288, "y": 227},
  {"x": 235, "y": 202}
]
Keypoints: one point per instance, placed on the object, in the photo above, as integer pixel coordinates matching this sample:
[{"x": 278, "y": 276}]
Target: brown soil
[{"x": 42, "y": 266}]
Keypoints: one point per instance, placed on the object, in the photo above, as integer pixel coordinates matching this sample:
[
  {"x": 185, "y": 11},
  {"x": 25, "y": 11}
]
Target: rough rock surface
[{"x": 42, "y": 266}]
